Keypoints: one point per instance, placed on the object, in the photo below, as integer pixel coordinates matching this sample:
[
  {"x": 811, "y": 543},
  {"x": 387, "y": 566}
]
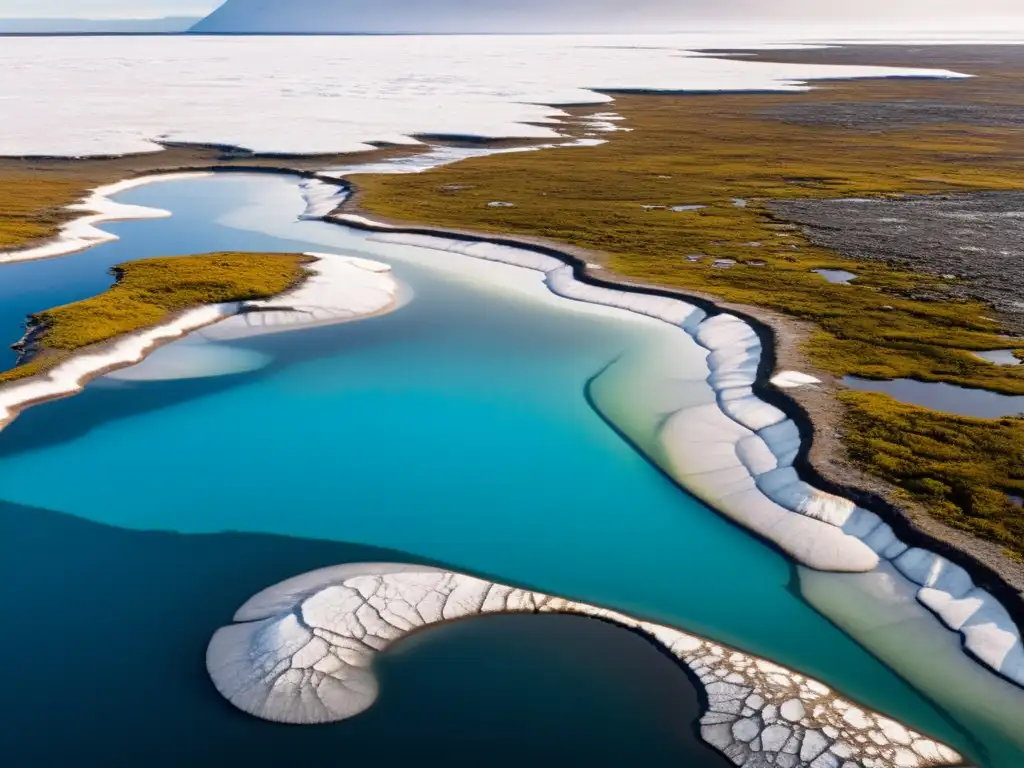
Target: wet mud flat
[{"x": 976, "y": 239}]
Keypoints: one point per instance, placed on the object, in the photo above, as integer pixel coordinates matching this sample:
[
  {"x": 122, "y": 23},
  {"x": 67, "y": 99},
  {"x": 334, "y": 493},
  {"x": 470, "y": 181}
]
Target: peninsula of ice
[{"x": 302, "y": 652}]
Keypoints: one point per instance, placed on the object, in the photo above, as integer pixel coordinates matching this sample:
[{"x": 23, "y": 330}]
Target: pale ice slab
[
  {"x": 191, "y": 358},
  {"x": 91, "y": 96},
  {"x": 302, "y": 652}
]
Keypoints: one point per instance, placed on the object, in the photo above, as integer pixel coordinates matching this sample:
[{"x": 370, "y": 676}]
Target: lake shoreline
[
  {"x": 811, "y": 409},
  {"x": 779, "y": 343}
]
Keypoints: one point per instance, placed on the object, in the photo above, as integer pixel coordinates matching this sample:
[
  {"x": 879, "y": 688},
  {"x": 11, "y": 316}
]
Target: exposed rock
[{"x": 792, "y": 710}]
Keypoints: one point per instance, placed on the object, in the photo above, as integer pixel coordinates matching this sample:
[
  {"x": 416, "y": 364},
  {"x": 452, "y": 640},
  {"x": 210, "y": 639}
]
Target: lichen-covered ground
[{"x": 975, "y": 238}]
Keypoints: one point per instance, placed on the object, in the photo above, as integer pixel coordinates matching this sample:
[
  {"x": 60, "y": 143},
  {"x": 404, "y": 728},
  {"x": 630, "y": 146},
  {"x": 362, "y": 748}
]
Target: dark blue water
[
  {"x": 453, "y": 430},
  {"x": 109, "y": 629}
]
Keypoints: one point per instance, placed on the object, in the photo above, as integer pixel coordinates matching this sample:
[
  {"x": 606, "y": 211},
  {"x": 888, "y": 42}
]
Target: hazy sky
[{"x": 818, "y": 10}]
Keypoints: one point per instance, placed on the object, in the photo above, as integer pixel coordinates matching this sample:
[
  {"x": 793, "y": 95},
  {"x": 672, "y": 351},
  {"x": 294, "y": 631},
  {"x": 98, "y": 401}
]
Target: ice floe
[
  {"x": 793, "y": 379},
  {"x": 302, "y": 652},
  {"x": 191, "y": 358}
]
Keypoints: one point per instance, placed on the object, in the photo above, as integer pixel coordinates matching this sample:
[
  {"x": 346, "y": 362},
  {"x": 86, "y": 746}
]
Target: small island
[
  {"x": 159, "y": 300},
  {"x": 148, "y": 293}
]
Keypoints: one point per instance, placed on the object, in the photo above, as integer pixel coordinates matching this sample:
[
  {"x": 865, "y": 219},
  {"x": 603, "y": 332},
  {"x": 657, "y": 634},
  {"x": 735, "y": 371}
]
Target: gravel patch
[
  {"x": 894, "y": 115},
  {"x": 977, "y": 238}
]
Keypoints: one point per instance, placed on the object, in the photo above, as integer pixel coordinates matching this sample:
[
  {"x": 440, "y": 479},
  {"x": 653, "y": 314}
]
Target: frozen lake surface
[{"x": 94, "y": 95}]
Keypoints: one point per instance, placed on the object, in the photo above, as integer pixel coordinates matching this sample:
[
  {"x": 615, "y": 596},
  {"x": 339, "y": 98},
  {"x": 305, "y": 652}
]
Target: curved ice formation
[
  {"x": 736, "y": 452},
  {"x": 302, "y": 652},
  {"x": 882, "y": 612},
  {"x": 338, "y": 289},
  {"x": 321, "y": 198},
  {"x": 82, "y": 233}
]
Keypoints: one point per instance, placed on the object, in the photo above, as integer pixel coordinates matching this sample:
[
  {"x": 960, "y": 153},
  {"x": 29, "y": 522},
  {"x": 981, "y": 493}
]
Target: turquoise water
[{"x": 453, "y": 430}]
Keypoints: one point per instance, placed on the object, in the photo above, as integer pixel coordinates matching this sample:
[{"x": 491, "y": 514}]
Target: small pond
[{"x": 949, "y": 398}]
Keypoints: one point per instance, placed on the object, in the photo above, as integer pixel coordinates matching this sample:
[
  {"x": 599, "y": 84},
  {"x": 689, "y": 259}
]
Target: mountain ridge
[{"x": 437, "y": 17}]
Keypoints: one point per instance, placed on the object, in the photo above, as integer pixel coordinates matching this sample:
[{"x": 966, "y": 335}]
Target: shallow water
[
  {"x": 839, "y": 276},
  {"x": 962, "y": 401},
  {"x": 32, "y": 286},
  {"x": 454, "y": 430},
  {"x": 1000, "y": 356}
]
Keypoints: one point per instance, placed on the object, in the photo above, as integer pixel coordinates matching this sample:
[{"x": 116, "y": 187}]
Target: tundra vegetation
[
  {"x": 734, "y": 154},
  {"x": 149, "y": 292}
]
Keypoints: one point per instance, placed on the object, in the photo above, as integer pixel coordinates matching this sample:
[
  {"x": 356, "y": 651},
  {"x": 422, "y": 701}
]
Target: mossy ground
[
  {"x": 31, "y": 208},
  {"x": 963, "y": 470},
  {"x": 148, "y": 292},
  {"x": 715, "y": 149}
]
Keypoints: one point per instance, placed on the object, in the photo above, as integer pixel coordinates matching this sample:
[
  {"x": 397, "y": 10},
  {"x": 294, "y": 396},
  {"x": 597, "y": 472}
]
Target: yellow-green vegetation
[
  {"x": 148, "y": 292},
  {"x": 710, "y": 150},
  {"x": 964, "y": 469},
  {"x": 31, "y": 207},
  {"x": 714, "y": 149}
]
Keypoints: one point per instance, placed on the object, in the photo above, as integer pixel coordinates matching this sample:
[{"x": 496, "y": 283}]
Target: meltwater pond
[{"x": 453, "y": 431}]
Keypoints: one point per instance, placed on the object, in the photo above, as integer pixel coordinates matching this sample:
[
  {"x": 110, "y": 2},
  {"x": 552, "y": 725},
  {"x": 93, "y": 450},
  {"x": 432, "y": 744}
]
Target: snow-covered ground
[{"x": 91, "y": 95}]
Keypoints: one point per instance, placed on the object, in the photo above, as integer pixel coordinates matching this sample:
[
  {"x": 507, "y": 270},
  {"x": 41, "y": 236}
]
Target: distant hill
[
  {"x": 442, "y": 16},
  {"x": 608, "y": 16},
  {"x": 95, "y": 26}
]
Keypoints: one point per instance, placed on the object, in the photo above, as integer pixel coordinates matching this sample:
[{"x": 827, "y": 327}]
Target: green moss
[
  {"x": 148, "y": 292},
  {"x": 31, "y": 208},
  {"x": 962, "y": 470}
]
